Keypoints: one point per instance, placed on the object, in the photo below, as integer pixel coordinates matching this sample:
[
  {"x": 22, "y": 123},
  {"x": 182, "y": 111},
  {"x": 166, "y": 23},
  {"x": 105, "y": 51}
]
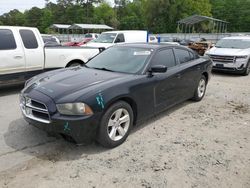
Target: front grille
[
  {"x": 222, "y": 59},
  {"x": 34, "y": 110}
]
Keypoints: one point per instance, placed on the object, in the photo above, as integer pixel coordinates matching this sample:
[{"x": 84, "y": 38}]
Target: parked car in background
[
  {"x": 92, "y": 35},
  {"x": 50, "y": 40},
  {"x": 231, "y": 54},
  {"x": 201, "y": 47},
  {"x": 110, "y": 38},
  {"x": 169, "y": 40},
  {"x": 187, "y": 42},
  {"x": 120, "y": 87},
  {"x": 82, "y": 42},
  {"x": 23, "y": 54},
  {"x": 152, "y": 39}
]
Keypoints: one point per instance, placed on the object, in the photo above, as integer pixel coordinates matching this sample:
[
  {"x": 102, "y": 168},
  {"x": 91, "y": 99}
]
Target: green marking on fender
[{"x": 66, "y": 127}]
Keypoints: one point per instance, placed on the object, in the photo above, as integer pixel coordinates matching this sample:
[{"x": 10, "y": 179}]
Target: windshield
[
  {"x": 121, "y": 59},
  {"x": 233, "y": 43},
  {"x": 105, "y": 38}
]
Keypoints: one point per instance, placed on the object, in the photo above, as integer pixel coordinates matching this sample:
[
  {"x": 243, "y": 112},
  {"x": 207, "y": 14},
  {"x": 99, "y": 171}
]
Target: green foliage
[
  {"x": 14, "y": 17},
  {"x": 157, "y": 16},
  {"x": 234, "y": 11},
  {"x": 104, "y": 14}
]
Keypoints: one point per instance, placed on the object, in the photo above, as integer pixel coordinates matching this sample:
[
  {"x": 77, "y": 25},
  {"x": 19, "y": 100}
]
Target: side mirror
[{"x": 158, "y": 69}]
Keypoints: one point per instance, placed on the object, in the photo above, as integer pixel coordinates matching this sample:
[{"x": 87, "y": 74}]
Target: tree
[
  {"x": 233, "y": 11},
  {"x": 104, "y": 14},
  {"x": 33, "y": 18},
  {"x": 14, "y": 17},
  {"x": 133, "y": 17},
  {"x": 46, "y": 20},
  {"x": 162, "y": 15}
]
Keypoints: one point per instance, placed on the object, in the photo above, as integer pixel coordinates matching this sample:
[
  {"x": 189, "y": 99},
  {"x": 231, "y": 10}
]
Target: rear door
[
  {"x": 12, "y": 60},
  {"x": 189, "y": 67},
  {"x": 33, "y": 49}
]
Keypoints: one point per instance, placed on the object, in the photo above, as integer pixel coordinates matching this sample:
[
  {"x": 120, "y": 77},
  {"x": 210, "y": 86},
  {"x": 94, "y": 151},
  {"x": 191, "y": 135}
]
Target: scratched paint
[
  {"x": 66, "y": 127},
  {"x": 100, "y": 100}
]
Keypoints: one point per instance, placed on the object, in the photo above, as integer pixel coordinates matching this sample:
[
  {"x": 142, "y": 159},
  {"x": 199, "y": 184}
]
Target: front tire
[
  {"x": 115, "y": 125},
  {"x": 201, "y": 89}
]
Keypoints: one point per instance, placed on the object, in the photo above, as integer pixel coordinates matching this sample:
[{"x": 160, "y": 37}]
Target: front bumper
[
  {"x": 229, "y": 67},
  {"x": 40, "y": 110},
  {"x": 81, "y": 131}
]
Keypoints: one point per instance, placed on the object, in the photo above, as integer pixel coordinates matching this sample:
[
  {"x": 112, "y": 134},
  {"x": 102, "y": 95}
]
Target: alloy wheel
[
  {"x": 201, "y": 88},
  {"x": 118, "y": 124}
]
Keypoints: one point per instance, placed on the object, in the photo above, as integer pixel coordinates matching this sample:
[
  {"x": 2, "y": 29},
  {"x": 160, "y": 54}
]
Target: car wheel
[
  {"x": 201, "y": 89},
  {"x": 247, "y": 70},
  {"x": 115, "y": 125},
  {"x": 74, "y": 64}
]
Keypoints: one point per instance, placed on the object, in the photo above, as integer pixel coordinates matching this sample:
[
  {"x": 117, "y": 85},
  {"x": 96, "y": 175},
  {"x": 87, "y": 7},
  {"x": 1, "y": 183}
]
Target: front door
[
  {"x": 167, "y": 84},
  {"x": 12, "y": 60}
]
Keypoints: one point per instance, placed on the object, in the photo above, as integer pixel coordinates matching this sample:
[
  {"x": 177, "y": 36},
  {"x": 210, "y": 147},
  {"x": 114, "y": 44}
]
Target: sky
[{"x": 21, "y": 5}]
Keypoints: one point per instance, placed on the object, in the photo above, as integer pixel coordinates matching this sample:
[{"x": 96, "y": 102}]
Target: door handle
[
  {"x": 198, "y": 67},
  {"x": 18, "y": 57}
]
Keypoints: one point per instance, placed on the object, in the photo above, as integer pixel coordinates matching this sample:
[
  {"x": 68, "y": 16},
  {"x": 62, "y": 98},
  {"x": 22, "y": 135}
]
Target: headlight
[
  {"x": 76, "y": 109},
  {"x": 241, "y": 58}
]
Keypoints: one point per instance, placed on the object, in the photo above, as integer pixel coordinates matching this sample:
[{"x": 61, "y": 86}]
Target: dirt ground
[{"x": 205, "y": 144}]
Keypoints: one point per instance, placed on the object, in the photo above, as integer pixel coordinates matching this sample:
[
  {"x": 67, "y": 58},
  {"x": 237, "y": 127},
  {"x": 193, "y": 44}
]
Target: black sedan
[{"x": 117, "y": 89}]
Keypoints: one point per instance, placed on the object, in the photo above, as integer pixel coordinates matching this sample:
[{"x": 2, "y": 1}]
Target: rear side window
[
  {"x": 182, "y": 55},
  {"x": 28, "y": 38},
  {"x": 119, "y": 38},
  {"x": 7, "y": 40},
  {"x": 164, "y": 57}
]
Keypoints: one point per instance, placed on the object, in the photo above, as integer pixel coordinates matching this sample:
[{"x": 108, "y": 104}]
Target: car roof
[{"x": 148, "y": 45}]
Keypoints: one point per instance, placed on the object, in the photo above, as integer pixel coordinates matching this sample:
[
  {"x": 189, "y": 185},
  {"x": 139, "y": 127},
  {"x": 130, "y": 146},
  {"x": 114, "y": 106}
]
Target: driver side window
[
  {"x": 119, "y": 38},
  {"x": 164, "y": 57}
]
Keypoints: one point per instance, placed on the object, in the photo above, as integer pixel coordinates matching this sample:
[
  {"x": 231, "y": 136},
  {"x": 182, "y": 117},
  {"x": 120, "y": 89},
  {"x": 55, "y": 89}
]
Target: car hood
[
  {"x": 228, "y": 51},
  {"x": 59, "y": 84}
]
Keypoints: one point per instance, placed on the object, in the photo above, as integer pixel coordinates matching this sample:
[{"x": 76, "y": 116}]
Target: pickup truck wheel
[
  {"x": 247, "y": 70},
  {"x": 201, "y": 89},
  {"x": 115, "y": 125},
  {"x": 74, "y": 64}
]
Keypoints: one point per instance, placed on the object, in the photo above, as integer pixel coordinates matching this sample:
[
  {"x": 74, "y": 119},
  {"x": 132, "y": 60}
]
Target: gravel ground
[{"x": 205, "y": 144}]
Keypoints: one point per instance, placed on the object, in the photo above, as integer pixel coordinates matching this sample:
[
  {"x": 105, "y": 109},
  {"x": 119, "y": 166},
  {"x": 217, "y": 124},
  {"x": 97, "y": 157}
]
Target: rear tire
[
  {"x": 74, "y": 64},
  {"x": 115, "y": 125},
  {"x": 201, "y": 89}
]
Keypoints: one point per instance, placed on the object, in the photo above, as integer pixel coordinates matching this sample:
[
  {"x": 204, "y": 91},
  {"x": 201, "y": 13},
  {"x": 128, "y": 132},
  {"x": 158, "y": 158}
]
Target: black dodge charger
[{"x": 115, "y": 90}]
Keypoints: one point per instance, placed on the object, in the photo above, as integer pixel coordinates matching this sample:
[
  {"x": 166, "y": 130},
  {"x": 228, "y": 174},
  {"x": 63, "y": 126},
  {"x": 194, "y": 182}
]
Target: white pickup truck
[{"x": 23, "y": 55}]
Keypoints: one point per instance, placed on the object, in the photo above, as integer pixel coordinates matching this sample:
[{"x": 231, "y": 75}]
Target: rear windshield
[
  {"x": 106, "y": 38},
  {"x": 233, "y": 43}
]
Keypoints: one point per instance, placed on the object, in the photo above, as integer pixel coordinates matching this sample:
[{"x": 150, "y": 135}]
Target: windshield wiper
[{"x": 104, "y": 69}]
